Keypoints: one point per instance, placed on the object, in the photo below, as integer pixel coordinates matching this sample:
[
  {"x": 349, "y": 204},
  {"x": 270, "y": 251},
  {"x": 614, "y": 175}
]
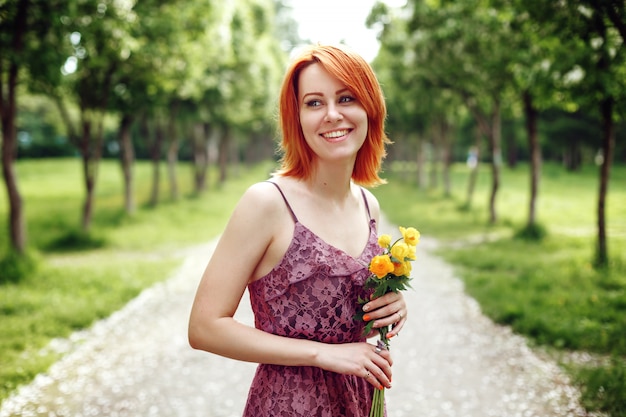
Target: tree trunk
[
  {"x": 91, "y": 152},
  {"x": 488, "y": 128},
  {"x": 473, "y": 165},
  {"x": 535, "y": 156},
  {"x": 17, "y": 228},
  {"x": 572, "y": 155},
  {"x": 8, "y": 115},
  {"x": 496, "y": 163},
  {"x": 156, "y": 145},
  {"x": 608, "y": 144},
  {"x": 200, "y": 155},
  {"x": 434, "y": 154},
  {"x": 511, "y": 150},
  {"x": 223, "y": 148},
  {"x": 172, "y": 150},
  {"x": 446, "y": 157},
  {"x": 421, "y": 163},
  {"x": 127, "y": 157},
  {"x": 172, "y": 164}
]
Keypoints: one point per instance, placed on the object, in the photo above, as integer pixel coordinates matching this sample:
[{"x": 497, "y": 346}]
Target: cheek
[{"x": 309, "y": 122}]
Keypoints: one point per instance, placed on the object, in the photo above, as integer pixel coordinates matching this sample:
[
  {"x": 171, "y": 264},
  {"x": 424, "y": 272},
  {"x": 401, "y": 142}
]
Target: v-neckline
[{"x": 318, "y": 237}]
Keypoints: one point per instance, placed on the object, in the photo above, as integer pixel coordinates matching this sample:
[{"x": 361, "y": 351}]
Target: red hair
[{"x": 352, "y": 70}]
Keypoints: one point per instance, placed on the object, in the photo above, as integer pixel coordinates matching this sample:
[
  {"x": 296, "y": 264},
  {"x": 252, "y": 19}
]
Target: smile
[{"x": 335, "y": 134}]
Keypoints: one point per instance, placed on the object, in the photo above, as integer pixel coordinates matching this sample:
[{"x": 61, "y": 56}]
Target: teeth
[{"x": 335, "y": 134}]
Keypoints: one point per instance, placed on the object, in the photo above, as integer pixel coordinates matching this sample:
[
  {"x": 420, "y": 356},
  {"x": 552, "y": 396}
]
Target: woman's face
[{"x": 333, "y": 121}]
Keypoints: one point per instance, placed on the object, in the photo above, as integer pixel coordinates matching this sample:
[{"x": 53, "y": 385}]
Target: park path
[{"x": 450, "y": 361}]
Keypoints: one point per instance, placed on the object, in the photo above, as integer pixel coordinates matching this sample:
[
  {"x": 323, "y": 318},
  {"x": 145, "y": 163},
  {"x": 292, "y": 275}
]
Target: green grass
[
  {"x": 545, "y": 289},
  {"x": 548, "y": 289},
  {"x": 61, "y": 299},
  {"x": 71, "y": 289}
]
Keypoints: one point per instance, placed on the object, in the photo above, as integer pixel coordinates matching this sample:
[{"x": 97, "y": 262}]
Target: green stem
[{"x": 378, "y": 403}]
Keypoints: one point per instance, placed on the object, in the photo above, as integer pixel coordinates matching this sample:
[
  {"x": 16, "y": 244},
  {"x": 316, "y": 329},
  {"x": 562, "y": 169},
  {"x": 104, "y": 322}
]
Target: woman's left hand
[{"x": 390, "y": 309}]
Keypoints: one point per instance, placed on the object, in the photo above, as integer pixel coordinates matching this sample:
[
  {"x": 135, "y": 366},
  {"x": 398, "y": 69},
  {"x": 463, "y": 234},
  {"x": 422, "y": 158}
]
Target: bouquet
[{"x": 390, "y": 272}]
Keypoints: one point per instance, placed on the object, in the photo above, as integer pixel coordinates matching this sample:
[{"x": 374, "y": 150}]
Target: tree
[
  {"x": 592, "y": 74},
  {"x": 149, "y": 83},
  {"x": 101, "y": 42},
  {"x": 462, "y": 46},
  {"x": 30, "y": 32}
]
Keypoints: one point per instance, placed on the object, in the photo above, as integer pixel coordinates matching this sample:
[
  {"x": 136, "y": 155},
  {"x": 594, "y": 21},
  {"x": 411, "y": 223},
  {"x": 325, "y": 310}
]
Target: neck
[{"x": 331, "y": 181}]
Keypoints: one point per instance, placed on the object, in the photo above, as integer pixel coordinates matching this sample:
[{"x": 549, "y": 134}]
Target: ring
[
  {"x": 378, "y": 349},
  {"x": 400, "y": 314},
  {"x": 367, "y": 375}
]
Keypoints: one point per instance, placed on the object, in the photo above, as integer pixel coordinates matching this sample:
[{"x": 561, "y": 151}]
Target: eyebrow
[{"x": 316, "y": 93}]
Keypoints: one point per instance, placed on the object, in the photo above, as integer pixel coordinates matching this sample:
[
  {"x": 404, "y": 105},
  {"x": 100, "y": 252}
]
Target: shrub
[
  {"x": 532, "y": 232},
  {"x": 15, "y": 266},
  {"x": 77, "y": 240}
]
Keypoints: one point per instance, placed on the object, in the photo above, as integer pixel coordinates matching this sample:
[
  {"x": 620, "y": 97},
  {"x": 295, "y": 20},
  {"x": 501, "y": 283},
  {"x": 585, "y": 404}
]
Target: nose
[{"x": 333, "y": 114}]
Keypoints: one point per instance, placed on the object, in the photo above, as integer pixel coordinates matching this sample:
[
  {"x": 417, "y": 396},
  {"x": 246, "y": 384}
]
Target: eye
[
  {"x": 313, "y": 103},
  {"x": 346, "y": 99}
]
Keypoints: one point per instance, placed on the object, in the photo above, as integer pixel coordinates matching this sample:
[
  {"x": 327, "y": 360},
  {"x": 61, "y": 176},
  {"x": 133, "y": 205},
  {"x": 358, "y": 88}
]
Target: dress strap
[
  {"x": 293, "y": 215},
  {"x": 367, "y": 206}
]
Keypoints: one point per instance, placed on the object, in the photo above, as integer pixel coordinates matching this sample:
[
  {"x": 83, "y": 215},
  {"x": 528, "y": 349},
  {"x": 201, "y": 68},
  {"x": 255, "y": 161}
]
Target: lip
[{"x": 335, "y": 135}]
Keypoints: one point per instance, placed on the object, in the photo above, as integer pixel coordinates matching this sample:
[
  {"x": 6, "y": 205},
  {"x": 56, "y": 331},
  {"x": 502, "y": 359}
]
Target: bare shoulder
[
  {"x": 260, "y": 201},
  {"x": 373, "y": 204}
]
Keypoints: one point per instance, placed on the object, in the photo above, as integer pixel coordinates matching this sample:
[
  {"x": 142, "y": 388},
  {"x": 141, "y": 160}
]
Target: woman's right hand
[{"x": 360, "y": 359}]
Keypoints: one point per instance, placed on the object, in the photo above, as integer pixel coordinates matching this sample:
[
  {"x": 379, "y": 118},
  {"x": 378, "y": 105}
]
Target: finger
[
  {"x": 377, "y": 377},
  {"x": 385, "y": 306},
  {"x": 381, "y": 301},
  {"x": 386, "y": 355},
  {"x": 397, "y": 326},
  {"x": 385, "y": 316}
]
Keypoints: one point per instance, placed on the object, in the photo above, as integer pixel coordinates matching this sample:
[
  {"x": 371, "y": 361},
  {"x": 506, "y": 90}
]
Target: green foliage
[
  {"x": 551, "y": 293},
  {"x": 14, "y": 266},
  {"x": 532, "y": 232},
  {"x": 603, "y": 387},
  {"x": 77, "y": 239}
]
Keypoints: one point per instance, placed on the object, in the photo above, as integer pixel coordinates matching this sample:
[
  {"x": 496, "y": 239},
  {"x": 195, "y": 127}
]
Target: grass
[
  {"x": 71, "y": 289},
  {"x": 545, "y": 289}
]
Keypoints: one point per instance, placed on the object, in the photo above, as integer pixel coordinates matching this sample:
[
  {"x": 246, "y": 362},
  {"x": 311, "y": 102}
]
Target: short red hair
[{"x": 352, "y": 70}]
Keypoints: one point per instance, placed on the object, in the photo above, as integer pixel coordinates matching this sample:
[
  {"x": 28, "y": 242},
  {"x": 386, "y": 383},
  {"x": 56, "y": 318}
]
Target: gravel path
[{"x": 451, "y": 361}]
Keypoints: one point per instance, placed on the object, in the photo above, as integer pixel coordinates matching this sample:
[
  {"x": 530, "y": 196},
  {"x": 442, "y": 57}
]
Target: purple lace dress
[{"x": 311, "y": 294}]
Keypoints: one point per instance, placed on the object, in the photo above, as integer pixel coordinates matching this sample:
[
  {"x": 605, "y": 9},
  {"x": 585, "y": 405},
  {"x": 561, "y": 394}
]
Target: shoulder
[
  {"x": 259, "y": 214},
  {"x": 262, "y": 199},
  {"x": 372, "y": 203}
]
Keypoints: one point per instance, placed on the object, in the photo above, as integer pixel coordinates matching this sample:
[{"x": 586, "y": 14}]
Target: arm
[{"x": 248, "y": 238}]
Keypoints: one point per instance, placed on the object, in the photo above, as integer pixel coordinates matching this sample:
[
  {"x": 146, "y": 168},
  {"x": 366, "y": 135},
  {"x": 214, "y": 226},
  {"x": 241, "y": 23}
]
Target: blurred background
[{"x": 130, "y": 128}]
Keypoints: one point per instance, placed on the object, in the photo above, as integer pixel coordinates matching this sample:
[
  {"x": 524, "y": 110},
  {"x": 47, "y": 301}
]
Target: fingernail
[
  {"x": 389, "y": 336},
  {"x": 367, "y": 317},
  {"x": 380, "y": 387},
  {"x": 366, "y": 307}
]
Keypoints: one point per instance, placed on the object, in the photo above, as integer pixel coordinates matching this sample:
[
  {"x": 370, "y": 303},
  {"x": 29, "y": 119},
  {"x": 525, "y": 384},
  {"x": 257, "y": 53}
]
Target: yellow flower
[
  {"x": 399, "y": 251},
  {"x": 411, "y": 256},
  {"x": 411, "y": 235},
  {"x": 402, "y": 268},
  {"x": 384, "y": 241},
  {"x": 381, "y": 265}
]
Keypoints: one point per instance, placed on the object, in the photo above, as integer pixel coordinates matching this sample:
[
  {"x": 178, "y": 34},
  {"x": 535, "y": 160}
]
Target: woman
[{"x": 300, "y": 243}]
